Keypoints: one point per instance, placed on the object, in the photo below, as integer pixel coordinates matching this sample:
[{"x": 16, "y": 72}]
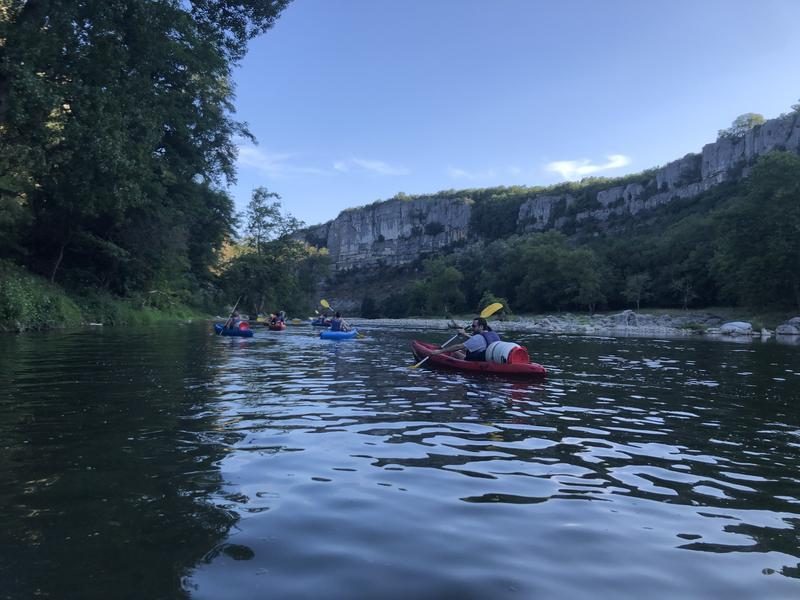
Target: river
[{"x": 171, "y": 463}]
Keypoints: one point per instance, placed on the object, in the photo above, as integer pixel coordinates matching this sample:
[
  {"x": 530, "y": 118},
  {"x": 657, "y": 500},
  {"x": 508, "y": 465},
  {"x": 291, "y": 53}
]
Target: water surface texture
[{"x": 170, "y": 463}]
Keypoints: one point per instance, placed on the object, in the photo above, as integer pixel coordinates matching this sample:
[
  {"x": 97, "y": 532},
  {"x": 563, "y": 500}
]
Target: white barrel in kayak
[{"x": 507, "y": 353}]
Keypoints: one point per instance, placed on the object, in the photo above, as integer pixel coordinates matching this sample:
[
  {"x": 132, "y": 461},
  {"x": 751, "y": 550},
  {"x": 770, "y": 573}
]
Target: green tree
[
  {"x": 757, "y": 251},
  {"x": 741, "y": 125},
  {"x": 271, "y": 269},
  {"x": 685, "y": 291},
  {"x": 369, "y": 308},
  {"x": 264, "y": 220},
  {"x": 637, "y": 288},
  {"x": 117, "y": 128},
  {"x": 438, "y": 291}
]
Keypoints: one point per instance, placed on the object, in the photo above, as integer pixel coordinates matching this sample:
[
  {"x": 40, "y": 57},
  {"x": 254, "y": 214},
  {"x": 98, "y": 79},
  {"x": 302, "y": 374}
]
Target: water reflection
[
  {"x": 368, "y": 450},
  {"x": 788, "y": 340},
  {"x": 290, "y": 466},
  {"x": 109, "y": 462}
]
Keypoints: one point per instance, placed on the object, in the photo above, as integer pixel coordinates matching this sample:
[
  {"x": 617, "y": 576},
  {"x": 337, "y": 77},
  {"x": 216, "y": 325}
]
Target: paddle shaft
[
  {"x": 427, "y": 357},
  {"x": 230, "y": 318}
]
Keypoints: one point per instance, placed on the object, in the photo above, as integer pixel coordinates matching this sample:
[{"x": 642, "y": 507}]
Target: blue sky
[{"x": 353, "y": 101}]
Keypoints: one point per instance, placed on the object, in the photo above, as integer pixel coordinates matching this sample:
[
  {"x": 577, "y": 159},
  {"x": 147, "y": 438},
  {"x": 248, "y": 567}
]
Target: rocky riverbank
[{"x": 626, "y": 323}]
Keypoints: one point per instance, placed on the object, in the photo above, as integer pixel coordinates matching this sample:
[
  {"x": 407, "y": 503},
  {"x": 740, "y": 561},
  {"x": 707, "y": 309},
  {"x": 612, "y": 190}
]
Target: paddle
[
  {"x": 230, "y": 318},
  {"x": 485, "y": 313}
]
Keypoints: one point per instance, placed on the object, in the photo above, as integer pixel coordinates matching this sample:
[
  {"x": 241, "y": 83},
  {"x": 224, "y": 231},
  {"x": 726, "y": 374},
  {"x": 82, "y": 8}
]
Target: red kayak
[
  {"x": 279, "y": 326},
  {"x": 528, "y": 370}
]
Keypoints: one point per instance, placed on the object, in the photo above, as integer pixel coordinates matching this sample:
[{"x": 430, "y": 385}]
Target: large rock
[
  {"x": 536, "y": 214},
  {"x": 736, "y": 328},
  {"x": 791, "y": 327},
  {"x": 724, "y": 156},
  {"x": 626, "y": 318}
]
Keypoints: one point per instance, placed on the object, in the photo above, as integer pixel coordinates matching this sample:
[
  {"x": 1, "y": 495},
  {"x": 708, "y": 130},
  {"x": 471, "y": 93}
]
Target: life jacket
[
  {"x": 489, "y": 337},
  {"x": 336, "y": 324}
]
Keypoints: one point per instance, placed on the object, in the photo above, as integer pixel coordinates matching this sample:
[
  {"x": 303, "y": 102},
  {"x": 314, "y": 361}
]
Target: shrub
[{"x": 30, "y": 302}]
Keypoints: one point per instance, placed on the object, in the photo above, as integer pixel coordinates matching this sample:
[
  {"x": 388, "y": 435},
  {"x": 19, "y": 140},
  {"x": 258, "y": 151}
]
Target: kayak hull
[
  {"x": 445, "y": 361},
  {"x": 321, "y": 323},
  {"x": 338, "y": 335},
  {"x": 276, "y": 326},
  {"x": 220, "y": 330}
]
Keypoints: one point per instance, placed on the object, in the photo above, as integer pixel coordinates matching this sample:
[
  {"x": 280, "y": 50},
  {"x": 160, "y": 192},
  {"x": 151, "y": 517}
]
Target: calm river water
[{"x": 172, "y": 463}]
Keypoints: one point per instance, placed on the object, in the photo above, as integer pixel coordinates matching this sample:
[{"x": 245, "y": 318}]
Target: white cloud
[
  {"x": 457, "y": 173},
  {"x": 273, "y": 164},
  {"x": 573, "y": 169},
  {"x": 373, "y": 166}
]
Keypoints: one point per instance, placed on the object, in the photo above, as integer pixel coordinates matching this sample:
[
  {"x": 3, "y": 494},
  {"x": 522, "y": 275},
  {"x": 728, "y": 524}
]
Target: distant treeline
[{"x": 736, "y": 244}]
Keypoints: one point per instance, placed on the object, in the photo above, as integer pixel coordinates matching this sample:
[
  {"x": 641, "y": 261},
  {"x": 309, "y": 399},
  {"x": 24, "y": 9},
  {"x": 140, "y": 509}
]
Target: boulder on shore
[
  {"x": 791, "y": 327},
  {"x": 736, "y": 328}
]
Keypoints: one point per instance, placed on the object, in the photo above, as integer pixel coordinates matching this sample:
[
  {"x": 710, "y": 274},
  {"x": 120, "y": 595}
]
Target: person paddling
[
  {"x": 338, "y": 323},
  {"x": 474, "y": 348}
]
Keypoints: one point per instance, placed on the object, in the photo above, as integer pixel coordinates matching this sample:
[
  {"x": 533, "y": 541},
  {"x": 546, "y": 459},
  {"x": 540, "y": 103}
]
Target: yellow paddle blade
[
  {"x": 324, "y": 303},
  {"x": 490, "y": 310}
]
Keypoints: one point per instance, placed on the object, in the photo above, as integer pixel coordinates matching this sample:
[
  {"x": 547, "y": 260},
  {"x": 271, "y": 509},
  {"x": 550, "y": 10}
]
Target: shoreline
[{"x": 625, "y": 324}]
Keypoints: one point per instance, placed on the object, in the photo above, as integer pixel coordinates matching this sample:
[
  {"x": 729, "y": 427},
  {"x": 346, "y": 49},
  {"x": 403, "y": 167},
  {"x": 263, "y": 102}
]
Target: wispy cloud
[
  {"x": 274, "y": 164},
  {"x": 373, "y": 166},
  {"x": 572, "y": 169},
  {"x": 458, "y": 173}
]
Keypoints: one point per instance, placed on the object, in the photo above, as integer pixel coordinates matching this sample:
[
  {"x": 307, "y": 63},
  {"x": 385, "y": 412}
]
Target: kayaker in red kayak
[{"x": 474, "y": 348}]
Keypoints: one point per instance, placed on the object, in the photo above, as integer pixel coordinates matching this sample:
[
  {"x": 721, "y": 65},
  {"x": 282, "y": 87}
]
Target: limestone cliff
[
  {"x": 394, "y": 232},
  {"x": 400, "y": 230}
]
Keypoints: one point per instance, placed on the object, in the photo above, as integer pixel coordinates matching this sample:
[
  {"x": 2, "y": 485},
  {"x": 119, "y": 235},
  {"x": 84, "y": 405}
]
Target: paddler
[{"x": 474, "y": 348}]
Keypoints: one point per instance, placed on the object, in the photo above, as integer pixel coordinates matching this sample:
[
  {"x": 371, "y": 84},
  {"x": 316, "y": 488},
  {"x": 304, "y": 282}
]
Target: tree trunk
[{"x": 58, "y": 261}]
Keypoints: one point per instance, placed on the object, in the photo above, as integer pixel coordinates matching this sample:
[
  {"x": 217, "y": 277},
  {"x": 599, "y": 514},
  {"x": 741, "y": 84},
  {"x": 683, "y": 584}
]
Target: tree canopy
[
  {"x": 117, "y": 128},
  {"x": 741, "y": 125}
]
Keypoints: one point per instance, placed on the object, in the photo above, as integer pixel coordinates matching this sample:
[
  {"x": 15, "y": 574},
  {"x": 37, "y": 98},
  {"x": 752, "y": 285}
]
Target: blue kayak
[
  {"x": 338, "y": 335},
  {"x": 220, "y": 330}
]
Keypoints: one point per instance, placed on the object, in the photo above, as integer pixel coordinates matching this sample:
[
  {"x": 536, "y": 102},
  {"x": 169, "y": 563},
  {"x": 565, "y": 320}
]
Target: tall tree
[
  {"x": 271, "y": 267},
  {"x": 117, "y": 115},
  {"x": 265, "y": 222}
]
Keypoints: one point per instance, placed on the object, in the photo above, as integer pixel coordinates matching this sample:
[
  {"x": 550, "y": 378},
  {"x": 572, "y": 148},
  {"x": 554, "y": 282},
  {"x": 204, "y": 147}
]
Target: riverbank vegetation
[{"x": 118, "y": 143}]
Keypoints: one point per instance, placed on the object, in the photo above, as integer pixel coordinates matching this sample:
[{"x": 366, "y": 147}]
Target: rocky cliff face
[
  {"x": 399, "y": 231},
  {"x": 395, "y": 232}
]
